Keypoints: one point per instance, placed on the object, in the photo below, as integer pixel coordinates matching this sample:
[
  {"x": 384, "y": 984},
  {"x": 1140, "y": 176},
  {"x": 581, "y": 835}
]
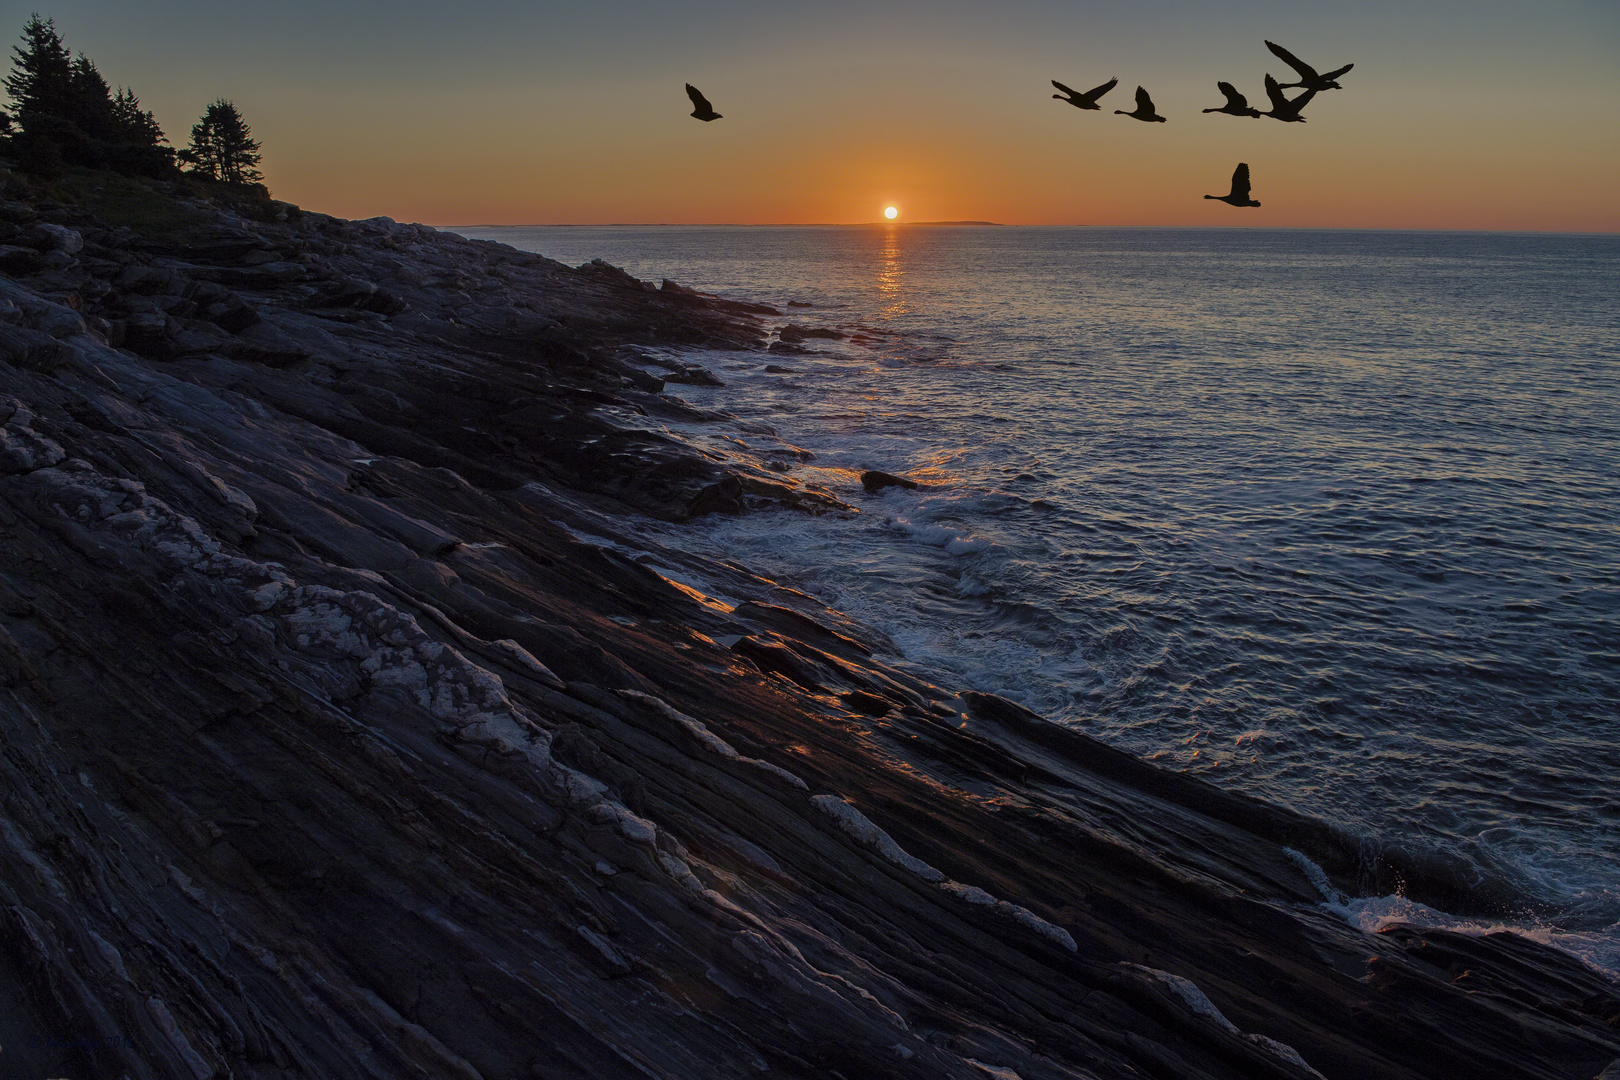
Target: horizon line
[
  {"x": 732, "y": 225},
  {"x": 1003, "y": 225}
]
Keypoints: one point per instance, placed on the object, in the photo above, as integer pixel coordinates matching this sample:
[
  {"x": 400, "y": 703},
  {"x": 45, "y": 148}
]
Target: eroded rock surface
[{"x": 328, "y": 749}]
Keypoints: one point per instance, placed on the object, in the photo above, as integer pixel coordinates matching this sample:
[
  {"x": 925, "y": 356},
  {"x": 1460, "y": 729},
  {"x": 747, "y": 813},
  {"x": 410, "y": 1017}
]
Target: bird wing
[
  {"x": 1240, "y": 181},
  {"x": 1336, "y": 72},
  {"x": 1093, "y": 94},
  {"x": 1305, "y": 70},
  {"x": 1300, "y": 102},
  {"x": 1279, "y": 103},
  {"x": 1143, "y": 102},
  {"x": 699, "y": 102},
  {"x": 1065, "y": 89},
  {"x": 1233, "y": 98}
]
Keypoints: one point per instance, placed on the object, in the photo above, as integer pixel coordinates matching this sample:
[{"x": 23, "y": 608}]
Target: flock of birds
[{"x": 1283, "y": 108}]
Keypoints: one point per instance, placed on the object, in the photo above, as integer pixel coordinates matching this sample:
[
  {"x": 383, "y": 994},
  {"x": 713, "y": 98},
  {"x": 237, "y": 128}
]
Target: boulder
[
  {"x": 48, "y": 237},
  {"x": 874, "y": 481},
  {"x": 694, "y": 375},
  {"x": 725, "y": 496},
  {"x": 794, "y": 334},
  {"x": 23, "y": 450}
]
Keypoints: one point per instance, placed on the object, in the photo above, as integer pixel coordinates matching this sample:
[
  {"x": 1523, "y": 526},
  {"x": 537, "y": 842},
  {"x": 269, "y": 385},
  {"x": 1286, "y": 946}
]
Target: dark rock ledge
[{"x": 326, "y": 750}]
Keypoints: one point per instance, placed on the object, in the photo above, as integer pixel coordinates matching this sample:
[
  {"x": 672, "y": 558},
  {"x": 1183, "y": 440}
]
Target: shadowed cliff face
[{"x": 326, "y": 749}]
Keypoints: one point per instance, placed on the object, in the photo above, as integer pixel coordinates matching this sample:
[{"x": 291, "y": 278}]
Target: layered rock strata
[{"x": 328, "y": 748}]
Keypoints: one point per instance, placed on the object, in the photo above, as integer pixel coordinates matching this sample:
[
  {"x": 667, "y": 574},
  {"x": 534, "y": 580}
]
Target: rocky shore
[{"x": 329, "y": 748}]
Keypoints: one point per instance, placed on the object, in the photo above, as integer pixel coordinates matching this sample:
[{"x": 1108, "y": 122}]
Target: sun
[{"x": 891, "y": 212}]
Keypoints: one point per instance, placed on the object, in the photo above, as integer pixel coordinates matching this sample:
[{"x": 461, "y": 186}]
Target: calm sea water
[{"x": 1332, "y": 518}]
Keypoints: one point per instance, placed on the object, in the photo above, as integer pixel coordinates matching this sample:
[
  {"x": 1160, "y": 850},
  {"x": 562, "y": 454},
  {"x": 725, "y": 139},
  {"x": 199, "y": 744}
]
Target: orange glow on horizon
[
  {"x": 1359, "y": 163},
  {"x": 1302, "y": 182},
  {"x": 539, "y": 114}
]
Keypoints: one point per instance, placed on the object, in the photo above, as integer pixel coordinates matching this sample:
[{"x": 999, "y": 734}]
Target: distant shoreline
[
  {"x": 725, "y": 225},
  {"x": 1003, "y": 225}
]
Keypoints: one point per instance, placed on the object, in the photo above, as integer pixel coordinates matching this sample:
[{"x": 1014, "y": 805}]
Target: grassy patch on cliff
[
  {"x": 155, "y": 208},
  {"x": 123, "y": 200}
]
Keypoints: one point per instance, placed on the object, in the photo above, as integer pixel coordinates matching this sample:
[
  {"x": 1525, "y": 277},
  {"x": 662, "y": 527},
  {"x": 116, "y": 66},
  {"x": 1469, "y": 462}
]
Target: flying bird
[
  {"x": 1144, "y": 108},
  {"x": 1087, "y": 100},
  {"x": 1309, "y": 79},
  {"x": 1236, "y": 103},
  {"x": 700, "y": 104},
  {"x": 1283, "y": 109},
  {"x": 1239, "y": 195}
]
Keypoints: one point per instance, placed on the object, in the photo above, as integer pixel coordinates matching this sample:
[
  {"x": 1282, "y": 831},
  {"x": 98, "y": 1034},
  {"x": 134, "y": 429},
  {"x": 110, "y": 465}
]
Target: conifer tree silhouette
[
  {"x": 41, "y": 79},
  {"x": 41, "y": 89},
  {"x": 222, "y": 146},
  {"x": 63, "y": 112}
]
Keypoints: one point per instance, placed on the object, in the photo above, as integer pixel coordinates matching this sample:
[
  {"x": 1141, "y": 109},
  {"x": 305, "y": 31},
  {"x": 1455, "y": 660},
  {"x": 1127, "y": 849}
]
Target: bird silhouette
[
  {"x": 1309, "y": 79},
  {"x": 1087, "y": 100},
  {"x": 1144, "y": 109},
  {"x": 1236, "y": 103},
  {"x": 1239, "y": 195},
  {"x": 700, "y": 104},
  {"x": 1281, "y": 107}
]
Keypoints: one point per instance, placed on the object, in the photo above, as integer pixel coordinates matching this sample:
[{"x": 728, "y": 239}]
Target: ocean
[{"x": 1330, "y": 518}]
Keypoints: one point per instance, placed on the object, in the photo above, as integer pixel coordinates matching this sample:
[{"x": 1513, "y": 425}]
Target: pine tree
[
  {"x": 41, "y": 79},
  {"x": 41, "y": 90},
  {"x": 135, "y": 139},
  {"x": 133, "y": 124},
  {"x": 222, "y": 147},
  {"x": 89, "y": 104},
  {"x": 65, "y": 113}
]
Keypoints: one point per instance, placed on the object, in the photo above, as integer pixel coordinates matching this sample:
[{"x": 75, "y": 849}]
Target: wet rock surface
[
  {"x": 875, "y": 481},
  {"x": 328, "y": 748}
]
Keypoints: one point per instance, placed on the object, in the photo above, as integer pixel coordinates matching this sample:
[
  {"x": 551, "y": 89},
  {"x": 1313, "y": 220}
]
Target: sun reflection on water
[{"x": 889, "y": 274}]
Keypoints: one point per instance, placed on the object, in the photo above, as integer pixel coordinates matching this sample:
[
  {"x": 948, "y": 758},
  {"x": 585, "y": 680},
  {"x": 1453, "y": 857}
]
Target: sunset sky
[{"x": 1457, "y": 115}]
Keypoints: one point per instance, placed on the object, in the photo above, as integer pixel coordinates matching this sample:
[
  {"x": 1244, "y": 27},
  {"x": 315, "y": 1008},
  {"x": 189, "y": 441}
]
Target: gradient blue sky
[{"x": 1498, "y": 115}]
